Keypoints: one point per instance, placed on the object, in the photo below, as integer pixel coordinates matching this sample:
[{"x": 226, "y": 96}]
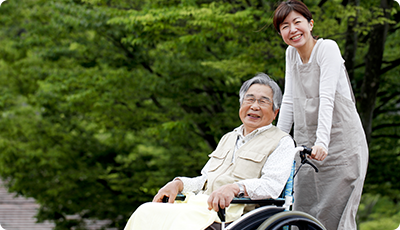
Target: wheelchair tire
[
  {"x": 301, "y": 220},
  {"x": 253, "y": 219}
]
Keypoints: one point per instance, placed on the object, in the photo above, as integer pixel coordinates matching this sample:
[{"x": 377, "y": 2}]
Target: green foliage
[
  {"x": 102, "y": 102},
  {"x": 377, "y": 212},
  {"x": 384, "y": 147}
]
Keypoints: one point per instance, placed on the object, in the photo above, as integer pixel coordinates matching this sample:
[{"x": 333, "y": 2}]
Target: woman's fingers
[{"x": 319, "y": 153}]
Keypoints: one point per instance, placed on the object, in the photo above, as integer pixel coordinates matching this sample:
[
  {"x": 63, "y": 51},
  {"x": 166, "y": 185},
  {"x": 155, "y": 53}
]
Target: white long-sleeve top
[
  {"x": 274, "y": 175},
  {"x": 333, "y": 78}
]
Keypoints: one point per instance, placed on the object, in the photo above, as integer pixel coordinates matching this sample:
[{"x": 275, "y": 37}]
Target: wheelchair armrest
[
  {"x": 262, "y": 202},
  {"x": 245, "y": 200},
  {"x": 179, "y": 197}
]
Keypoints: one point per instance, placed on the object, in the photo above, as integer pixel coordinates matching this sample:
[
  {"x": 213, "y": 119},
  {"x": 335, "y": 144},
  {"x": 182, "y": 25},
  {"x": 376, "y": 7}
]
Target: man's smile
[{"x": 252, "y": 115}]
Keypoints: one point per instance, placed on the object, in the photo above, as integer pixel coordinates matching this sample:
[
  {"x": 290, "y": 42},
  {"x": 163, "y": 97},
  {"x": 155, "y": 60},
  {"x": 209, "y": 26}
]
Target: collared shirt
[
  {"x": 244, "y": 139},
  {"x": 274, "y": 174}
]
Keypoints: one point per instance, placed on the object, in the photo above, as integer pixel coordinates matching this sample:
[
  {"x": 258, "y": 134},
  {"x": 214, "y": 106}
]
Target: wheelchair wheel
[
  {"x": 301, "y": 220},
  {"x": 253, "y": 219}
]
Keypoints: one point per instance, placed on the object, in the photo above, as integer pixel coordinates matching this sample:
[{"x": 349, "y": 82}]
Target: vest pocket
[
  {"x": 217, "y": 159},
  {"x": 248, "y": 165}
]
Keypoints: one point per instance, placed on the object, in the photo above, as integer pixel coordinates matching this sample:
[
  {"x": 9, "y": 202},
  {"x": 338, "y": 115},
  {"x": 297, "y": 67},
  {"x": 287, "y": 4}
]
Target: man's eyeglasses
[{"x": 263, "y": 102}]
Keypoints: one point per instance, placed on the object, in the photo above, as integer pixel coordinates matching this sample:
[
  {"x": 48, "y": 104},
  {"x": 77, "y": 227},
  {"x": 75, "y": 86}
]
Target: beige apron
[{"x": 333, "y": 194}]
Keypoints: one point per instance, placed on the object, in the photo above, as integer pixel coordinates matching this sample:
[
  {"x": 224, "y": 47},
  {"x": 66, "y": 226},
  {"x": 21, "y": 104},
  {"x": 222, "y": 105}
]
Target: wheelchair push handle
[{"x": 304, "y": 150}]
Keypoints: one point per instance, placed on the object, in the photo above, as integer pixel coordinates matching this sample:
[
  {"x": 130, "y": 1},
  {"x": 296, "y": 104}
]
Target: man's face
[{"x": 256, "y": 110}]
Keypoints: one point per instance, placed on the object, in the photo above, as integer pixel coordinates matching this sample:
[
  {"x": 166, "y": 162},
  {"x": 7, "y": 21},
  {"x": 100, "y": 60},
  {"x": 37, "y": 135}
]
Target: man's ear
[{"x": 276, "y": 113}]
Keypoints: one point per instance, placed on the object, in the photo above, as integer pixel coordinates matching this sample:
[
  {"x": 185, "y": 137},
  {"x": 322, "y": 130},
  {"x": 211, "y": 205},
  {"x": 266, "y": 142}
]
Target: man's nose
[{"x": 255, "y": 105}]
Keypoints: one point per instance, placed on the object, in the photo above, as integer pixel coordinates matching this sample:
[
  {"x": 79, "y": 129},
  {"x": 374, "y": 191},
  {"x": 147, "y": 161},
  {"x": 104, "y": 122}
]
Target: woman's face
[{"x": 296, "y": 30}]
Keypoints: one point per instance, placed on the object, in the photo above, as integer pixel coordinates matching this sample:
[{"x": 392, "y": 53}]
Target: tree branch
[
  {"x": 392, "y": 65},
  {"x": 382, "y": 126},
  {"x": 383, "y": 101},
  {"x": 156, "y": 102},
  {"x": 321, "y": 3},
  {"x": 124, "y": 104},
  {"x": 386, "y": 136},
  {"x": 212, "y": 53}
]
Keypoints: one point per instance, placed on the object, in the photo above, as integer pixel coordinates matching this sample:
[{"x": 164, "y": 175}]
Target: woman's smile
[{"x": 296, "y": 37}]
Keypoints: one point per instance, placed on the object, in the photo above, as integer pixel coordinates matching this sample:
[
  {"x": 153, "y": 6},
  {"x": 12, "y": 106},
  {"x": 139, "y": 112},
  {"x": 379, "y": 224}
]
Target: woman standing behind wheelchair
[{"x": 319, "y": 100}]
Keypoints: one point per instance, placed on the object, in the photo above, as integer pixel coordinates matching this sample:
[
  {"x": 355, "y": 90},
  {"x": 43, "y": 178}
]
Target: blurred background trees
[{"x": 103, "y": 101}]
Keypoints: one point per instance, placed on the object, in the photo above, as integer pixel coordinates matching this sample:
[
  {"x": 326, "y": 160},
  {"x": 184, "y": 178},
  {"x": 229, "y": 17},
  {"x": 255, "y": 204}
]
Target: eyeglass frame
[{"x": 250, "y": 99}]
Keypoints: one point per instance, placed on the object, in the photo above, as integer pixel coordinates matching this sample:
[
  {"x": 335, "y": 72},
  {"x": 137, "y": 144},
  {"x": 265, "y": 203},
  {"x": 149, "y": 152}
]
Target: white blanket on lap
[{"x": 191, "y": 214}]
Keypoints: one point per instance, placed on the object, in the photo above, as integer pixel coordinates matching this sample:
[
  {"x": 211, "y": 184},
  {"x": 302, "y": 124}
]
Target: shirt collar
[{"x": 239, "y": 130}]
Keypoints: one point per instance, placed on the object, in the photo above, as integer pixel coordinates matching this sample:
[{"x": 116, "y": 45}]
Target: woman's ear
[{"x": 311, "y": 23}]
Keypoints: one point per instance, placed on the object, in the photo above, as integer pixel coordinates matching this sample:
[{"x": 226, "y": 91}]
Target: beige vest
[{"x": 249, "y": 159}]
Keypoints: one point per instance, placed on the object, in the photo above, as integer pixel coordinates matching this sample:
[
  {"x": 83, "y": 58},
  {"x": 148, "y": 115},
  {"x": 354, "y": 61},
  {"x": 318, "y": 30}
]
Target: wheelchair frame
[{"x": 274, "y": 214}]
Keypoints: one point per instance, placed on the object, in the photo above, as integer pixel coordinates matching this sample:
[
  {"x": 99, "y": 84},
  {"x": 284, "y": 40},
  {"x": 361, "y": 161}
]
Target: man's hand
[
  {"x": 169, "y": 190},
  {"x": 222, "y": 197},
  {"x": 318, "y": 153}
]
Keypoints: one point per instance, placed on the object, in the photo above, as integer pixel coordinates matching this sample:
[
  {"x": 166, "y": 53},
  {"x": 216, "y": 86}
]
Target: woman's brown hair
[{"x": 284, "y": 9}]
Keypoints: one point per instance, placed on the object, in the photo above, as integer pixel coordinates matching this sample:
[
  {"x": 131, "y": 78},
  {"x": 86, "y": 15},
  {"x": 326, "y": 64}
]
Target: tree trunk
[
  {"x": 373, "y": 62},
  {"x": 351, "y": 41}
]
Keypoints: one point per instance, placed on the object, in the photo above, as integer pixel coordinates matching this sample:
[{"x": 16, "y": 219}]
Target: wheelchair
[{"x": 274, "y": 214}]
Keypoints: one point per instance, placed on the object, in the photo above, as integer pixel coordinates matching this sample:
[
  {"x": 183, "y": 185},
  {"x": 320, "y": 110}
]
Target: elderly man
[{"x": 254, "y": 160}]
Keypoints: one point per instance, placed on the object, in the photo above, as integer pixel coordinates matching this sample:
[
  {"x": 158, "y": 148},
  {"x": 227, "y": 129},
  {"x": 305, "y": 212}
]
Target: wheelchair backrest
[{"x": 288, "y": 189}]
